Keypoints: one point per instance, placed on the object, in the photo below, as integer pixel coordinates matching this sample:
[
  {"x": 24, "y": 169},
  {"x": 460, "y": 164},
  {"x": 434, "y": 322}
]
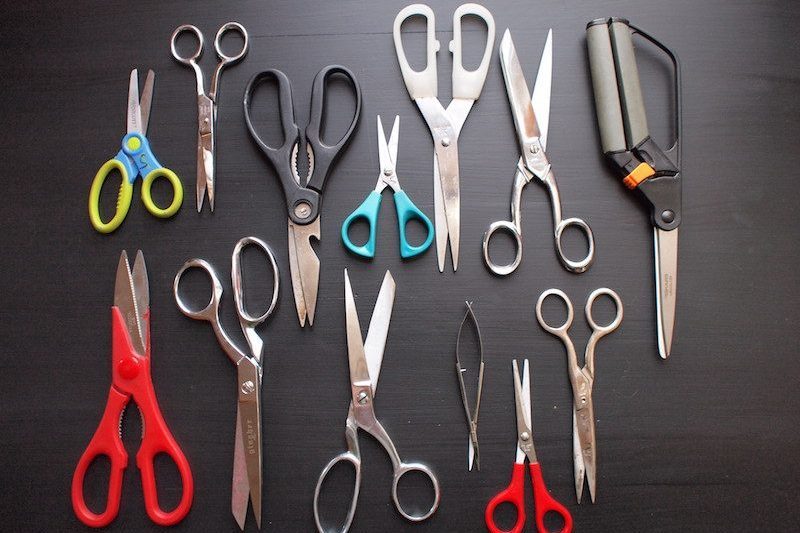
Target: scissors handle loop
[
  {"x": 560, "y": 224},
  {"x": 404, "y": 468},
  {"x": 618, "y": 311},
  {"x": 123, "y": 199},
  {"x": 190, "y": 60},
  {"x": 355, "y": 460},
  {"x": 226, "y": 60},
  {"x": 512, "y": 227},
  {"x": 420, "y": 83},
  {"x": 468, "y": 84},
  {"x": 238, "y": 282}
]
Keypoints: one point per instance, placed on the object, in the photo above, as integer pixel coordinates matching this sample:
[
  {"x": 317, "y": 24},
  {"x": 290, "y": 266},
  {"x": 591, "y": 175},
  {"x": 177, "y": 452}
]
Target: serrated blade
[
  {"x": 304, "y": 266},
  {"x": 141, "y": 294},
  {"x": 125, "y": 301}
]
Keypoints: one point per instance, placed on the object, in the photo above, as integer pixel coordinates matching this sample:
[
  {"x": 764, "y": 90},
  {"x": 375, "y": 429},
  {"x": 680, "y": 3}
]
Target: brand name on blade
[{"x": 251, "y": 437}]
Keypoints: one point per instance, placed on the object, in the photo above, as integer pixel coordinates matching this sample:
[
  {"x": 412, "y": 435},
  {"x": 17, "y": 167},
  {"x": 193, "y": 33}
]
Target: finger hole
[
  {"x": 562, "y": 309},
  {"x": 110, "y": 194},
  {"x": 231, "y": 41},
  {"x": 416, "y": 494},
  {"x": 186, "y": 43},
  {"x": 96, "y": 484},
  {"x": 161, "y": 190},
  {"x": 256, "y": 273},
  {"x": 505, "y": 516},
  {"x": 339, "y": 95},
  {"x": 264, "y": 109},
  {"x": 335, "y": 504},
  {"x": 474, "y": 36},
  {"x": 191, "y": 286},
  {"x": 553, "y": 521},
  {"x": 414, "y": 46},
  {"x": 573, "y": 238},
  {"x": 416, "y": 232},
  {"x": 167, "y": 480},
  {"x": 509, "y": 246},
  {"x": 610, "y": 310}
]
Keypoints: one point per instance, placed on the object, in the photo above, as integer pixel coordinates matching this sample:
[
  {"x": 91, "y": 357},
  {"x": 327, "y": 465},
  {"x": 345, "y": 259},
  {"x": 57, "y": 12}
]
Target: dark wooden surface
[{"x": 706, "y": 441}]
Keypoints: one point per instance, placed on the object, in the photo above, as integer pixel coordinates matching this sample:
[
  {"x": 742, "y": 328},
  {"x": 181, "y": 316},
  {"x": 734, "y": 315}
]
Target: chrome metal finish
[
  {"x": 473, "y": 452},
  {"x": 666, "y": 261},
  {"x": 305, "y": 279}
]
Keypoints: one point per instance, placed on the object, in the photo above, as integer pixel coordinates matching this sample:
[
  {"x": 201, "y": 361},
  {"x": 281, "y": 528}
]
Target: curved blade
[{"x": 379, "y": 329}]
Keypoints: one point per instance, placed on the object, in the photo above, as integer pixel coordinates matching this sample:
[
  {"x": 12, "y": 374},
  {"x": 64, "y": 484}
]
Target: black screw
[{"x": 668, "y": 216}]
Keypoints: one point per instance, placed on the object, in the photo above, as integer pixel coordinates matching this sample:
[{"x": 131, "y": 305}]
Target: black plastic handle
[
  {"x": 325, "y": 155},
  {"x": 281, "y": 156}
]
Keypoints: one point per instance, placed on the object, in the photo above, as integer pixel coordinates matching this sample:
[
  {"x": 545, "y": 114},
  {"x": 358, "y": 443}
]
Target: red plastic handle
[
  {"x": 545, "y": 503},
  {"x": 106, "y": 442},
  {"x": 158, "y": 439},
  {"x": 513, "y": 494}
]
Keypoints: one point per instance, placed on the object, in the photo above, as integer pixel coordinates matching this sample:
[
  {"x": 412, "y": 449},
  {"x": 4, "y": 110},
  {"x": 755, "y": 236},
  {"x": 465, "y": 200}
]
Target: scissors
[
  {"x": 130, "y": 364},
  {"x": 369, "y": 208},
  {"x": 207, "y": 103},
  {"x": 247, "y": 478},
  {"x": 473, "y": 451},
  {"x": 134, "y": 159},
  {"x": 584, "y": 443},
  {"x": 636, "y": 157},
  {"x": 303, "y": 195},
  {"x": 514, "y": 494},
  {"x": 365, "y": 360},
  {"x": 445, "y": 124},
  {"x": 531, "y": 120}
]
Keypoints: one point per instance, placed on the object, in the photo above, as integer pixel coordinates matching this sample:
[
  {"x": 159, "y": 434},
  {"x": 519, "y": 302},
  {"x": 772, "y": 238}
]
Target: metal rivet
[
  {"x": 534, "y": 149},
  {"x": 248, "y": 387},
  {"x": 302, "y": 210},
  {"x": 387, "y": 171},
  {"x": 525, "y": 436},
  {"x": 362, "y": 397},
  {"x": 668, "y": 216},
  {"x": 445, "y": 141}
]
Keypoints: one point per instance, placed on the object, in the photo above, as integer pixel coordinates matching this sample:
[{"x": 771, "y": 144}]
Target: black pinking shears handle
[
  {"x": 622, "y": 119},
  {"x": 283, "y": 157}
]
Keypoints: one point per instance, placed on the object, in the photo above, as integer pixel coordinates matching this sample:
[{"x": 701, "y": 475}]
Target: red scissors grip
[
  {"x": 106, "y": 441},
  {"x": 545, "y": 503},
  {"x": 513, "y": 494},
  {"x": 158, "y": 439}
]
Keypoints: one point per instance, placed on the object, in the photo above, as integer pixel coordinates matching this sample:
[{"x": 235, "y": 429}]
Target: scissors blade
[
  {"x": 359, "y": 372},
  {"x": 379, "y": 329},
  {"x": 584, "y": 449},
  {"x": 384, "y": 153},
  {"x": 439, "y": 215},
  {"x": 134, "y": 108},
  {"x": 522, "y": 398},
  {"x": 470, "y": 453},
  {"x": 205, "y": 150},
  {"x": 542, "y": 89},
  {"x": 250, "y": 426},
  {"x": 304, "y": 265},
  {"x": 125, "y": 301},
  {"x": 666, "y": 263},
  {"x": 518, "y": 96},
  {"x": 141, "y": 294},
  {"x": 240, "y": 491},
  {"x": 146, "y": 100}
]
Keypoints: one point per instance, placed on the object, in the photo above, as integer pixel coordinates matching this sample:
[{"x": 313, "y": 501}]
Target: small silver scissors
[
  {"x": 584, "y": 443},
  {"x": 531, "y": 120},
  {"x": 365, "y": 358},
  {"x": 207, "y": 103},
  {"x": 445, "y": 124},
  {"x": 247, "y": 479}
]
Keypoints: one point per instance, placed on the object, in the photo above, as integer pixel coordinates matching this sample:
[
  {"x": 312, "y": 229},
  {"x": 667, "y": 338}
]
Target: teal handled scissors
[
  {"x": 369, "y": 208},
  {"x": 133, "y": 160}
]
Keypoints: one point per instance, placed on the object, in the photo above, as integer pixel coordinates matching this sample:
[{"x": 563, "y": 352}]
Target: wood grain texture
[{"x": 704, "y": 442}]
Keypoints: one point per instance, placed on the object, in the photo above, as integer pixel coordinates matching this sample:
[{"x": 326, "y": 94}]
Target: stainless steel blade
[
  {"x": 542, "y": 89},
  {"x": 125, "y": 301},
  {"x": 134, "y": 109},
  {"x": 518, "y": 96},
  {"x": 251, "y": 439},
  {"x": 384, "y": 154},
  {"x": 583, "y": 424},
  {"x": 359, "y": 372},
  {"x": 205, "y": 170},
  {"x": 394, "y": 140},
  {"x": 439, "y": 215},
  {"x": 470, "y": 454},
  {"x": 304, "y": 266},
  {"x": 141, "y": 294},
  {"x": 666, "y": 269},
  {"x": 146, "y": 100},
  {"x": 379, "y": 329},
  {"x": 577, "y": 459},
  {"x": 240, "y": 491},
  {"x": 526, "y": 394}
]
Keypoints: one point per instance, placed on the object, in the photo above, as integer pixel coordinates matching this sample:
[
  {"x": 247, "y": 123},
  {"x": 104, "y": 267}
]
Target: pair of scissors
[
  {"x": 130, "y": 371},
  {"x": 207, "y": 102},
  {"x": 369, "y": 208},
  {"x": 365, "y": 358},
  {"x": 134, "y": 159},
  {"x": 445, "y": 124},
  {"x": 247, "y": 477},
  {"x": 584, "y": 443},
  {"x": 531, "y": 120},
  {"x": 514, "y": 494},
  {"x": 473, "y": 451},
  {"x": 303, "y": 195},
  {"x": 636, "y": 157}
]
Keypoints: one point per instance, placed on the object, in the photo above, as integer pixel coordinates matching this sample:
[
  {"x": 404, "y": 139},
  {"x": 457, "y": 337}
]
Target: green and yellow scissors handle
[{"x": 134, "y": 159}]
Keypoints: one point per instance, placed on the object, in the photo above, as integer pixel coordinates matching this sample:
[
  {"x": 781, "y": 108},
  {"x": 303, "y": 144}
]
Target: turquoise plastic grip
[
  {"x": 406, "y": 211},
  {"x": 368, "y": 210}
]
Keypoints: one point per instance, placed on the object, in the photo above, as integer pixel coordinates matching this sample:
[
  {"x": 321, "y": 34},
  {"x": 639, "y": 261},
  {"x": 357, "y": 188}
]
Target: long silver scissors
[
  {"x": 207, "y": 103},
  {"x": 365, "y": 358},
  {"x": 584, "y": 443},
  {"x": 445, "y": 124},
  {"x": 531, "y": 120},
  {"x": 247, "y": 479}
]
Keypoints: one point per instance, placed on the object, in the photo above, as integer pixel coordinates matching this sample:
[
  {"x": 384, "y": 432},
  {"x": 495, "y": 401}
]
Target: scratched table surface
[{"x": 706, "y": 441}]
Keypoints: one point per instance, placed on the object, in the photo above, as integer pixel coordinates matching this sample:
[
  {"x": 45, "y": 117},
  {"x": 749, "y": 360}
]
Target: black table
[{"x": 705, "y": 441}]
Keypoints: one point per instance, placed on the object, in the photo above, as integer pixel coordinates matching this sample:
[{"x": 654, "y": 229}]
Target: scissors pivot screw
[
  {"x": 387, "y": 171},
  {"x": 525, "y": 436},
  {"x": 302, "y": 210},
  {"x": 362, "y": 397},
  {"x": 668, "y": 216},
  {"x": 446, "y": 141},
  {"x": 248, "y": 387}
]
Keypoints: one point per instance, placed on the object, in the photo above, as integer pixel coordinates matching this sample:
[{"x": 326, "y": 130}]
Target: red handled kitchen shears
[{"x": 130, "y": 360}]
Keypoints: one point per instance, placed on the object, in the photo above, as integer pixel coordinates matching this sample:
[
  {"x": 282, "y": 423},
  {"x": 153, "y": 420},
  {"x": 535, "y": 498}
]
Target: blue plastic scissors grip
[
  {"x": 368, "y": 210},
  {"x": 136, "y": 147},
  {"x": 406, "y": 211}
]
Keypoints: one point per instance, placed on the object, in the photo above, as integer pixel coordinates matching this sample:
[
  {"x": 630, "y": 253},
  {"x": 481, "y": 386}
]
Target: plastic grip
[
  {"x": 106, "y": 441},
  {"x": 545, "y": 503},
  {"x": 469, "y": 83},
  {"x": 368, "y": 210},
  {"x": 422, "y": 83},
  {"x": 407, "y": 211},
  {"x": 513, "y": 494},
  {"x": 177, "y": 193},
  {"x": 635, "y": 117},
  {"x": 606, "y": 91},
  {"x": 123, "y": 199}
]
